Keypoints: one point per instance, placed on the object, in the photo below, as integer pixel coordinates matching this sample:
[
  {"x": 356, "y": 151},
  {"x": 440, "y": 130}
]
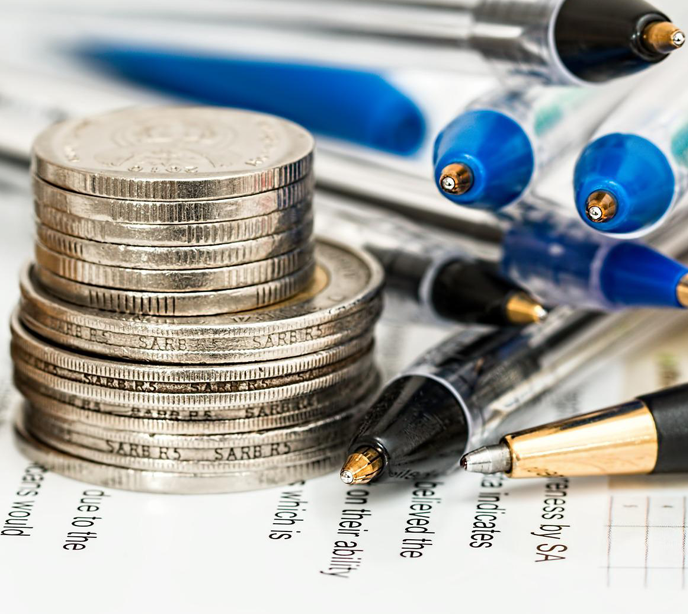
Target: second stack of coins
[{"x": 180, "y": 330}]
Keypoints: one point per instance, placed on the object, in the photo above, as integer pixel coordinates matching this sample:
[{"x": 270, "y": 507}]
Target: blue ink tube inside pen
[{"x": 564, "y": 263}]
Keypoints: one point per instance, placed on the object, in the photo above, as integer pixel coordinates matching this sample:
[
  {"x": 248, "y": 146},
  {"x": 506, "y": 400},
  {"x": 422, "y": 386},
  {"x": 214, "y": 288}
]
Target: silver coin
[
  {"x": 274, "y": 414},
  {"x": 268, "y": 416},
  {"x": 347, "y": 281},
  {"x": 171, "y": 235},
  {"x": 181, "y": 257},
  {"x": 221, "y": 457},
  {"x": 313, "y": 434},
  {"x": 181, "y": 212},
  {"x": 197, "y": 280},
  {"x": 210, "y": 303},
  {"x": 91, "y": 370},
  {"x": 45, "y": 383},
  {"x": 228, "y": 453},
  {"x": 173, "y": 153},
  {"x": 204, "y": 350},
  {"x": 176, "y": 387},
  {"x": 282, "y": 455},
  {"x": 173, "y": 482}
]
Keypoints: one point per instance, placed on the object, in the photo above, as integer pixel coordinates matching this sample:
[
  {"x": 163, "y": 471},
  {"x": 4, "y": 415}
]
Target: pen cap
[
  {"x": 498, "y": 153},
  {"x": 352, "y": 105},
  {"x": 635, "y": 275},
  {"x": 420, "y": 427},
  {"x": 635, "y": 172},
  {"x": 598, "y": 41}
]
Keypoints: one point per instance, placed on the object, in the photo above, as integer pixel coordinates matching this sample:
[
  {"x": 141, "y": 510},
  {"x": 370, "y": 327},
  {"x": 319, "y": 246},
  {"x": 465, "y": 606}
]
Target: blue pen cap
[
  {"x": 635, "y": 172},
  {"x": 348, "y": 104},
  {"x": 635, "y": 275},
  {"x": 498, "y": 153}
]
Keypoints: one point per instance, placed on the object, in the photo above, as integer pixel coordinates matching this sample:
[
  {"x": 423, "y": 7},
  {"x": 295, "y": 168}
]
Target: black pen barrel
[
  {"x": 600, "y": 40},
  {"x": 418, "y": 425},
  {"x": 669, "y": 409},
  {"x": 470, "y": 293}
]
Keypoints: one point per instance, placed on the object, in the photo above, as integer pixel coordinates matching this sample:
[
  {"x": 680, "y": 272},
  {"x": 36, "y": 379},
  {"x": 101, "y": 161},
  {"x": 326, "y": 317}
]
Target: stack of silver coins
[{"x": 180, "y": 330}]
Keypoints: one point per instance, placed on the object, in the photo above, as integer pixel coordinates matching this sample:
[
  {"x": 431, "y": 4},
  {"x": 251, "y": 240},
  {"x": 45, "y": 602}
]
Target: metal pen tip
[
  {"x": 488, "y": 459},
  {"x": 682, "y": 291},
  {"x": 663, "y": 37},
  {"x": 346, "y": 476},
  {"x": 363, "y": 466},
  {"x": 521, "y": 308},
  {"x": 600, "y": 207},
  {"x": 456, "y": 179}
]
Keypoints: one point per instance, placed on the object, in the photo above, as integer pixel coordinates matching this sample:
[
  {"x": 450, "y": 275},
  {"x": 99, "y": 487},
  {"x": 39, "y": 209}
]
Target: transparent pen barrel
[
  {"x": 411, "y": 256},
  {"x": 657, "y": 111},
  {"x": 556, "y": 120},
  {"x": 568, "y": 343},
  {"x": 476, "y": 36}
]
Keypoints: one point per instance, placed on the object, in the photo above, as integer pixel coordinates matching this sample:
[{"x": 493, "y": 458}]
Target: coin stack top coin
[{"x": 180, "y": 330}]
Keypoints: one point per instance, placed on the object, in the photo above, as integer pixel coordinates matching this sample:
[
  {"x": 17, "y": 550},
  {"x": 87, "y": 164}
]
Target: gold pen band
[{"x": 617, "y": 440}]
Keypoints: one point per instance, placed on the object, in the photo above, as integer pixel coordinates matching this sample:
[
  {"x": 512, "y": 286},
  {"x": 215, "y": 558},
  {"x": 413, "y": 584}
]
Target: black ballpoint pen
[
  {"x": 434, "y": 273},
  {"x": 553, "y": 41},
  {"x": 561, "y": 41},
  {"x": 646, "y": 435}
]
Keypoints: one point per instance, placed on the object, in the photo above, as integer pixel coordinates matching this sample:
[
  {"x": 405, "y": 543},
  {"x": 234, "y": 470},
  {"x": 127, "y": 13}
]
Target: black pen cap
[
  {"x": 418, "y": 425},
  {"x": 602, "y": 40}
]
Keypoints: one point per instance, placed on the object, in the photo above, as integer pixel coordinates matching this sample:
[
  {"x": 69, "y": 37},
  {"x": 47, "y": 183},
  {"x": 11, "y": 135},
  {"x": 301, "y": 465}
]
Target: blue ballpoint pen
[
  {"x": 553, "y": 256},
  {"x": 564, "y": 263},
  {"x": 353, "y": 105},
  {"x": 489, "y": 155},
  {"x": 634, "y": 174}
]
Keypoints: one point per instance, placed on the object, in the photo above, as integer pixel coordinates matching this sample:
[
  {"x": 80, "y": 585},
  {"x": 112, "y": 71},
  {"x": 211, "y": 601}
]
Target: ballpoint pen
[
  {"x": 632, "y": 176},
  {"x": 436, "y": 275},
  {"x": 458, "y": 393},
  {"x": 488, "y": 156},
  {"x": 646, "y": 435},
  {"x": 353, "y": 105},
  {"x": 564, "y": 263},
  {"x": 562, "y": 41}
]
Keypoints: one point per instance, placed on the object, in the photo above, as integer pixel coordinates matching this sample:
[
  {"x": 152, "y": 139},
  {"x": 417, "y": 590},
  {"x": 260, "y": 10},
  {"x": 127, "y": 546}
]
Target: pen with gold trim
[
  {"x": 457, "y": 395},
  {"x": 646, "y": 435},
  {"x": 633, "y": 175}
]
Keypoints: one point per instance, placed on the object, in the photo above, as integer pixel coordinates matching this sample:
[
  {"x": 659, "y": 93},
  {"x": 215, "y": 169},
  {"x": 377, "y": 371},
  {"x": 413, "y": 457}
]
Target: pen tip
[
  {"x": 488, "y": 459},
  {"x": 456, "y": 179},
  {"x": 363, "y": 466},
  {"x": 682, "y": 291},
  {"x": 663, "y": 37},
  {"x": 600, "y": 207},
  {"x": 521, "y": 308}
]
